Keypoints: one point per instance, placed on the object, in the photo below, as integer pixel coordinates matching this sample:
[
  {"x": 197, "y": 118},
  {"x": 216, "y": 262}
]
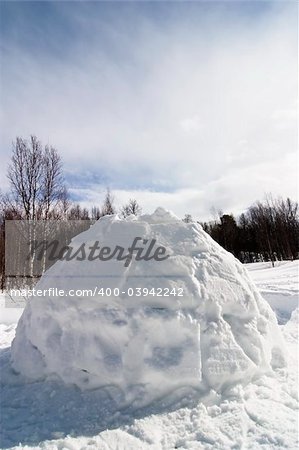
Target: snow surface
[
  {"x": 9, "y": 314},
  {"x": 263, "y": 414},
  {"x": 48, "y": 415},
  {"x": 278, "y": 285},
  {"x": 221, "y": 332}
]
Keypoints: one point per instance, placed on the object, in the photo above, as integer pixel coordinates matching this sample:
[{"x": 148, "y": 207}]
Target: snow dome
[{"x": 199, "y": 323}]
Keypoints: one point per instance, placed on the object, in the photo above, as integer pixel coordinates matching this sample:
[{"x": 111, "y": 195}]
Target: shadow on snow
[{"x": 38, "y": 411}]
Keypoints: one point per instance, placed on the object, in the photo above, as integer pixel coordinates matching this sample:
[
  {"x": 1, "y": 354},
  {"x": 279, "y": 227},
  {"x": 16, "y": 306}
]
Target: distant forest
[{"x": 267, "y": 231}]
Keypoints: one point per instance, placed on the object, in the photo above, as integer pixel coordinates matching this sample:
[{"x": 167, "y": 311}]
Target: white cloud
[
  {"x": 277, "y": 177},
  {"x": 204, "y": 106},
  {"x": 191, "y": 124}
]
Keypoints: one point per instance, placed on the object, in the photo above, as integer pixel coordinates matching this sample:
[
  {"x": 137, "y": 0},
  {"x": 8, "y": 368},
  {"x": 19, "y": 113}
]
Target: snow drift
[{"x": 221, "y": 331}]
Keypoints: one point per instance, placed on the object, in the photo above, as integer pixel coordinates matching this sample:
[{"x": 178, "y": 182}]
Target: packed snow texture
[
  {"x": 220, "y": 333},
  {"x": 49, "y": 415}
]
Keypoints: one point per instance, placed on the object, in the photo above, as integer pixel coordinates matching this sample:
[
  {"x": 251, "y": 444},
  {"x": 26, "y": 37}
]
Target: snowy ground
[
  {"x": 262, "y": 415},
  {"x": 279, "y": 286}
]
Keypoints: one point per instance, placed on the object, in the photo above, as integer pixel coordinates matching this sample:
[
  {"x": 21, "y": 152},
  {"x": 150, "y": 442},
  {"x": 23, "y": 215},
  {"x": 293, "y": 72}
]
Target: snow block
[{"x": 219, "y": 332}]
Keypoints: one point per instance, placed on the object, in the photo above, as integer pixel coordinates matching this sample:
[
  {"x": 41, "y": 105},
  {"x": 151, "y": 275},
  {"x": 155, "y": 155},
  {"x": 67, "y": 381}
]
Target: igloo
[{"x": 202, "y": 325}]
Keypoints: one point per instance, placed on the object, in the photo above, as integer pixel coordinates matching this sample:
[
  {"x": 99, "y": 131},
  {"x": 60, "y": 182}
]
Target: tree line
[{"x": 267, "y": 231}]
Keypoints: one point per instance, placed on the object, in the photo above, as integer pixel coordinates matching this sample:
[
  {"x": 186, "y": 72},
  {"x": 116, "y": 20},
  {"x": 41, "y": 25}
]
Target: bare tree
[
  {"x": 36, "y": 180},
  {"x": 37, "y": 186},
  {"x": 53, "y": 190},
  {"x": 108, "y": 207},
  {"x": 187, "y": 218},
  {"x": 25, "y": 175},
  {"x": 76, "y": 212},
  {"x": 95, "y": 213},
  {"x": 132, "y": 207}
]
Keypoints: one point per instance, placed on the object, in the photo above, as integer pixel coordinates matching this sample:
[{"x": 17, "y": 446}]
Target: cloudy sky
[{"x": 186, "y": 105}]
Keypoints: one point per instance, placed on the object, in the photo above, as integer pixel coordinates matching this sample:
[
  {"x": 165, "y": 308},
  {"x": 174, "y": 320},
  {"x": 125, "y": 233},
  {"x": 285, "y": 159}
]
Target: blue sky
[{"x": 186, "y": 105}]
